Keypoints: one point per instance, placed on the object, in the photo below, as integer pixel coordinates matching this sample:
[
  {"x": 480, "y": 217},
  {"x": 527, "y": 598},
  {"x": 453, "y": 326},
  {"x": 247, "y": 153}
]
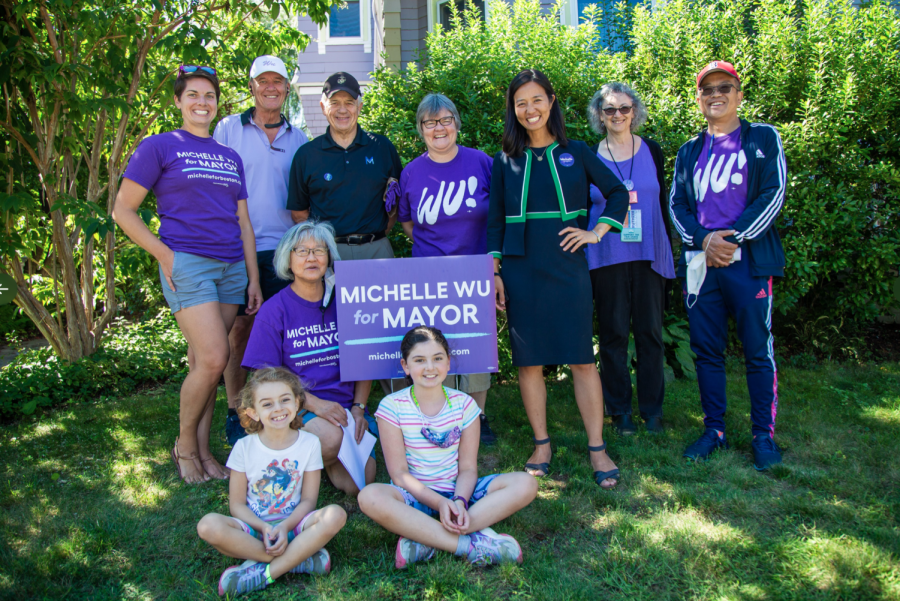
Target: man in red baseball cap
[{"x": 729, "y": 187}]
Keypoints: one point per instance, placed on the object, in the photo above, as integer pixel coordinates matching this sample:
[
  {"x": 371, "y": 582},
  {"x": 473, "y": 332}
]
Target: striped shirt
[{"x": 431, "y": 465}]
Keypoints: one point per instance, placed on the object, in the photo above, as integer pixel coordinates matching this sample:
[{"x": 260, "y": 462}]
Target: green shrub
[
  {"x": 132, "y": 355},
  {"x": 825, "y": 73}
]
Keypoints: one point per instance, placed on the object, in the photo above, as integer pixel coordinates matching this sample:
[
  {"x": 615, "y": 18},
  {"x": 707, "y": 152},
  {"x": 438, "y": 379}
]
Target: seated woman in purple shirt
[
  {"x": 445, "y": 194},
  {"x": 206, "y": 250},
  {"x": 297, "y": 329},
  {"x": 631, "y": 271}
]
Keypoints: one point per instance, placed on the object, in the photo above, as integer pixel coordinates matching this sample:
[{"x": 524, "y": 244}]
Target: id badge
[{"x": 632, "y": 230}]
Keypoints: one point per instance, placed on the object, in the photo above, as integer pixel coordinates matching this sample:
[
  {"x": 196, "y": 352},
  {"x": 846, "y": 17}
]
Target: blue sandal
[
  {"x": 600, "y": 476},
  {"x": 544, "y": 467}
]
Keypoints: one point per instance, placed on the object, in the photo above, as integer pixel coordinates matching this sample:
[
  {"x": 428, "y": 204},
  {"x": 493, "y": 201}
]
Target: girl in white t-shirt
[
  {"x": 274, "y": 487},
  {"x": 430, "y": 435}
]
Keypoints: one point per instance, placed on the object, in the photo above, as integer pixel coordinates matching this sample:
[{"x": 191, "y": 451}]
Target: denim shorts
[
  {"x": 200, "y": 280},
  {"x": 373, "y": 426},
  {"x": 290, "y": 535},
  {"x": 481, "y": 490}
]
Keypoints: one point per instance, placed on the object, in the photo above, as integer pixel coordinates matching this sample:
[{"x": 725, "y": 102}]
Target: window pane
[
  {"x": 461, "y": 5},
  {"x": 344, "y": 22}
]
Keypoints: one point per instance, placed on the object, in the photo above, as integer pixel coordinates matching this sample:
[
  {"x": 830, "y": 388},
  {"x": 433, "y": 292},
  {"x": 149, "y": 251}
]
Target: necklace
[
  {"x": 629, "y": 185},
  {"x": 541, "y": 157},
  {"x": 412, "y": 392}
]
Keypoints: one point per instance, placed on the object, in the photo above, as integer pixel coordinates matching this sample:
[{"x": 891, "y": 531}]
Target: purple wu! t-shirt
[
  {"x": 198, "y": 183},
  {"x": 295, "y": 333},
  {"x": 447, "y": 203},
  {"x": 720, "y": 179}
]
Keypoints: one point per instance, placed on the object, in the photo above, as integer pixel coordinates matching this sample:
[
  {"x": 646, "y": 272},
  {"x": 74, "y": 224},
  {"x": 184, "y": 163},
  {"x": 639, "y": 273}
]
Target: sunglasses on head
[
  {"x": 611, "y": 110},
  {"x": 188, "y": 69},
  {"x": 723, "y": 89}
]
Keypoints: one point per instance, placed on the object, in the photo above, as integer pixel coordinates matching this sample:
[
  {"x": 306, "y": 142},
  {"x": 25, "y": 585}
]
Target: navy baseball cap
[{"x": 341, "y": 82}]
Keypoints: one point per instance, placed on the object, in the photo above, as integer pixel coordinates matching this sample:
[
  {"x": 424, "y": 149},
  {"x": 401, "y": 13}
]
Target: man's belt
[{"x": 359, "y": 239}]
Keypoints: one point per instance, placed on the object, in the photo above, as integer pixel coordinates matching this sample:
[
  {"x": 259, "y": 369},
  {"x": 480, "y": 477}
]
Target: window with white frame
[
  {"x": 611, "y": 20},
  {"x": 348, "y": 23},
  {"x": 445, "y": 10}
]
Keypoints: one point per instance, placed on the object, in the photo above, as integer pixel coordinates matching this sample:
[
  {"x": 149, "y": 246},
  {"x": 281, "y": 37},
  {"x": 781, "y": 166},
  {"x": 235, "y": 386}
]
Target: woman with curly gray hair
[
  {"x": 298, "y": 329},
  {"x": 631, "y": 271}
]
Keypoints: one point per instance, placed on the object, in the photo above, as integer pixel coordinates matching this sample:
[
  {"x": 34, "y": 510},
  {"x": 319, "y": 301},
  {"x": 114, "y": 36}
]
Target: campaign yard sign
[{"x": 378, "y": 301}]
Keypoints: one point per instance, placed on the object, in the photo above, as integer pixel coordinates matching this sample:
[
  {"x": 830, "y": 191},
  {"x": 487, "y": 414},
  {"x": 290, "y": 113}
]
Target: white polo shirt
[{"x": 266, "y": 169}]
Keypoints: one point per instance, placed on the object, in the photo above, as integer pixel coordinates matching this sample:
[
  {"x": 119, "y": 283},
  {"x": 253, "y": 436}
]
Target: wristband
[
  {"x": 497, "y": 273},
  {"x": 459, "y": 498},
  {"x": 596, "y": 234}
]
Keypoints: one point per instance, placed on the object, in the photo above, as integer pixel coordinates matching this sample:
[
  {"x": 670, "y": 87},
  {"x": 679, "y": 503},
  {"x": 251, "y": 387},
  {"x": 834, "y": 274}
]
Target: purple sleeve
[
  {"x": 264, "y": 348},
  {"x": 145, "y": 166},
  {"x": 404, "y": 214}
]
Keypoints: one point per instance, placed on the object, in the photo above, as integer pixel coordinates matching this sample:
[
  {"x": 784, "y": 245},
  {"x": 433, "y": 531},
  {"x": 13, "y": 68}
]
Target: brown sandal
[
  {"x": 224, "y": 469},
  {"x": 176, "y": 457}
]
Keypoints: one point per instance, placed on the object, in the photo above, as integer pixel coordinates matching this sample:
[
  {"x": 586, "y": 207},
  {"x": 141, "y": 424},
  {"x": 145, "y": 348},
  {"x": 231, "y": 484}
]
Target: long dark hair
[{"x": 515, "y": 137}]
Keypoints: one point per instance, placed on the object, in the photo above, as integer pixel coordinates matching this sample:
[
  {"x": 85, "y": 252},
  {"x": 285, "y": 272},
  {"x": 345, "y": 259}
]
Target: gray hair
[
  {"x": 637, "y": 107},
  {"x": 319, "y": 231},
  {"x": 431, "y": 106}
]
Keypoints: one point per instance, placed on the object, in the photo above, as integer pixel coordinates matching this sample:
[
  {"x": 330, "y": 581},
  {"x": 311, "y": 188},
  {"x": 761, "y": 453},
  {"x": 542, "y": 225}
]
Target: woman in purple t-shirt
[
  {"x": 445, "y": 195},
  {"x": 631, "y": 271},
  {"x": 206, "y": 250}
]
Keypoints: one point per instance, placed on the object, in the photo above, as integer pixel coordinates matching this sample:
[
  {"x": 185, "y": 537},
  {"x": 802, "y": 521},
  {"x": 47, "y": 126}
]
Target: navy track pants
[{"x": 734, "y": 291}]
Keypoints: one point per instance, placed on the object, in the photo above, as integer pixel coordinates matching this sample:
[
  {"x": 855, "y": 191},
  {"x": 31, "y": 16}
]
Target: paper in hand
[{"x": 354, "y": 456}]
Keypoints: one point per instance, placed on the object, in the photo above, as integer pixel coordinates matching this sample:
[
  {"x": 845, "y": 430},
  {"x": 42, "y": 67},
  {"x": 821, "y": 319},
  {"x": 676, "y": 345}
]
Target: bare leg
[
  {"x": 507, "y": 494},
  {"x": 211, "y": 466},
  {"x": 223, "y": 533},
  {"x": 589, "y": 396},
  {"x": 206, "y": 332},
  {"x": 385, "y": 505},
  {"x": 534, "y": 397},
  {"x": 330, "y": 436},
  {"x": 235, "y": 375}
]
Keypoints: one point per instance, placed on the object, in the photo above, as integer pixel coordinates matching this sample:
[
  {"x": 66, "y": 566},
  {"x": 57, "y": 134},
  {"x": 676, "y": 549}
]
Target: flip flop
[
  {"x": 600, "y": 476},
  {"x": 544, "y": 467}
]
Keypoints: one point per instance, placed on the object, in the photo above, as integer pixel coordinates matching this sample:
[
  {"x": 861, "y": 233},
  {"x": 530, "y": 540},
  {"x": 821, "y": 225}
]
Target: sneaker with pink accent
[
  {"x": 247, "y": 577},
  {"x": 490, "y": 548},
  {"x": 409, "y": 551},
  {"x": 318, "y": 563}
]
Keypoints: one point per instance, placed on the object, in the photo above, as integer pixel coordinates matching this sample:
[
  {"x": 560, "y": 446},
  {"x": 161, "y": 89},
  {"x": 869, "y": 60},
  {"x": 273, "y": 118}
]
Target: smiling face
[
  {"x": 197, "y": 103},
  {"x": 427, "y": 364},
  {"x": 310, "y": 268},
  {"x": 342, "y": 112},
  {"x": 269, "y": 91},
  {"x": 274, "y": 406},
  {"x": 719, "y": 108},
  {"x": 442, "y": 137},
  {"x": 533, "y": 107},
  {"x": 617, "y": 122}
]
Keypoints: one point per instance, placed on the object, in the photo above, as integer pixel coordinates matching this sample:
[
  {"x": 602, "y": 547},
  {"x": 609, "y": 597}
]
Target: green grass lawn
[{"x": 91, "y": 507}]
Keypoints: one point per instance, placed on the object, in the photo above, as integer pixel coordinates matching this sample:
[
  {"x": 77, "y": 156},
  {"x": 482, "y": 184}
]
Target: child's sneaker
[
  {"x": 318, "y": 563},
  {"x": 409, "y": 551},
  {"x": 488, "y": 548},
  {"x": 247, "y": 577}
]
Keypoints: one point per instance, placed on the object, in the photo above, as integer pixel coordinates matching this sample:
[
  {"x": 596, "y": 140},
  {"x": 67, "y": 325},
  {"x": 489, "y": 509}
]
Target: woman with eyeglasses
[
  {"x": 632, "y": 270},
  {"x": 537, "y": 224},
  {"x": 205, "y": 248},
  {"x": 297, "y": 328},
  {"x": 443, "y": 208}
]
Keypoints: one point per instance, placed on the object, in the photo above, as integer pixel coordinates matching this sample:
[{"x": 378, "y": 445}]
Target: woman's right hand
[
  {"x": 500, "y": 293},
  {"x": 329, "y": 411},
  {"x": 167, "y": 262}
]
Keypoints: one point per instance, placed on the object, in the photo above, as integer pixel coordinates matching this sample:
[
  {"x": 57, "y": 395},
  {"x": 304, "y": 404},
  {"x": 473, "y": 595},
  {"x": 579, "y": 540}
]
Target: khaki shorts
[{"x": 469, "y": 383}]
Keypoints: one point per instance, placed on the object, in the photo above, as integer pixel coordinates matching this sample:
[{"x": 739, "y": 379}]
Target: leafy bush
[
  {"x": 825, "y": 73},
  {"x": 132, "y": 355}
]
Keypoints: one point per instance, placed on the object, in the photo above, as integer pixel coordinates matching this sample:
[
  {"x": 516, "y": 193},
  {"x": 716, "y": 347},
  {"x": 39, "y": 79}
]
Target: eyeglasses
[
  {"x": 723, "y": 89},
  {"x": 317, "y": 252},
  {"x": 432, "y": 123},
  {"x": 611, "y": 110},
  {"x": 188, "y": 69}
]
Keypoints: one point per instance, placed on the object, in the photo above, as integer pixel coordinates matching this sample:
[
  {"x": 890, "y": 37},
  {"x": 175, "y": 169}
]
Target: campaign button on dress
[
  {"x": 566, "y": 160},
  {"x": 327, "y": 177}
]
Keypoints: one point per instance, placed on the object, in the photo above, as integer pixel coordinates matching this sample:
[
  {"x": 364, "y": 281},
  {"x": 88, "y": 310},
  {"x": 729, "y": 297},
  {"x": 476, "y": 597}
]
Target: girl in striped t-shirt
[{"x": 430, "y": 435}]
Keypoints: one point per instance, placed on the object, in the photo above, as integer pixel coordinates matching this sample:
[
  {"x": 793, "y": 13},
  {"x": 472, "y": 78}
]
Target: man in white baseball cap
[{"x": 266, "y": 143}]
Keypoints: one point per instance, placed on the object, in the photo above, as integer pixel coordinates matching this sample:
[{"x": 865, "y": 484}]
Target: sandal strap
[
  {"x": 540, "y": 442},
  {"x": 597, "y": 449}
]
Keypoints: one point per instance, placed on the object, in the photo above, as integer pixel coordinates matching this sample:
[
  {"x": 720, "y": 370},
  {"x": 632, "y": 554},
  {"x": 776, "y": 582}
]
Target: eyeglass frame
[
  {"x": 435, "y": 122},
  {"x": 707, "y": 91},
  {"x": 310, "y": 251}
]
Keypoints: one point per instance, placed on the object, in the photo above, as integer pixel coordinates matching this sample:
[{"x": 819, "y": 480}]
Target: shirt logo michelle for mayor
[{"x": 566, "y": 160}]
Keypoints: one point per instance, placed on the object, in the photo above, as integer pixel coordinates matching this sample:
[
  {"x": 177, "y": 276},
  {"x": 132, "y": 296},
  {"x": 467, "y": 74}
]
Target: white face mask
[{"x": 696, "y": 273}]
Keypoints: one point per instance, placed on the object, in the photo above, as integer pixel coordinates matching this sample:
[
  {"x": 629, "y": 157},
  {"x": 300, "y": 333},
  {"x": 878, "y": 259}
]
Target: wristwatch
[{"x": 360, "y": 405}]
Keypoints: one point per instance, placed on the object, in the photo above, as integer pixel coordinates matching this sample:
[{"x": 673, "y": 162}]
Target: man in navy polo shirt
[
  {"x": 266, "y": 143},
  {"x": 729, "y": 188},
  {"x": 341, "y": 176}
]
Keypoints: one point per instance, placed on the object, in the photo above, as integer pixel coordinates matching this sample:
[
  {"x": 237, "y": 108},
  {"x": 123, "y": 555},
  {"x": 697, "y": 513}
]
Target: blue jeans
[{"x": 481, "y": 490}]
